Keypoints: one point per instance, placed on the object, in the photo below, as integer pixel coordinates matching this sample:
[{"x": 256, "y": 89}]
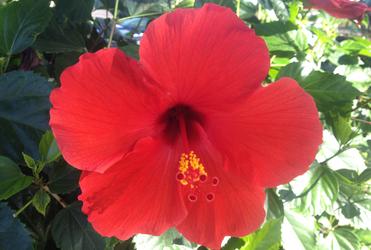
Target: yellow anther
[{"x": 190, "y": 169}]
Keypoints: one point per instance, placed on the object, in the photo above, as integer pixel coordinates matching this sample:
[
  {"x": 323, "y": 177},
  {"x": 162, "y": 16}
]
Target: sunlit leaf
[
  {"x": 340, "y": 238},
  {"x": 298, "y": 231},
  {"x": 170, "y": 240},
  {"x": 266, "y": 238},
  {"x": 319, "y": 188}
]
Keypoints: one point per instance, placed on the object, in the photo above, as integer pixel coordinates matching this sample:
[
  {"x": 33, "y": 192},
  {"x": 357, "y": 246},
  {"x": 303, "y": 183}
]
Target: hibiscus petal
[
  {"x": 341, "y": 8},
  {"x": 232, "y": 207},
  {"x": 102, "y": 107},
  {"x": 205, "y": 57},
  {"x": 139, "y": 194},
  {"x": 275, "y": 133}
]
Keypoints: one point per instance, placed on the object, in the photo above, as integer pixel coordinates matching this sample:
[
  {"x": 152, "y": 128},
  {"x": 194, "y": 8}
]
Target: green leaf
[
  {"x": 59, "y": 38},
  {"x": 24, "y": 113},
  {"x": 362, "y": 206},
  {"x": 350, "y": 159},
  {"x": 12, "y": 180},
  {"x": 20, "y": 23},
  {"x": 329, "y": 91},
  {"x": 30, "y": 162},
  {"x": 361, "y": 46},
  {"x": 340, "y": 126},
  {"x": 266, "y": 238},
  {"x": 294, "y": 70},
  {"x": 349, "y": 210},
  {"x": 185, "y": 4},
  {"x": 233, "y": 243},
  {"x": 365, "y": 175},
  {"x": 364, "y": 236},
  {"x": 48, "y": 148},
  {"x": 274, "y": 205},
  {"x": 279, "y": 43},
  {"x": 340, "y": 238},
  {"x": 63, "y": 60},
  {"x": 62, "y": 178},
  {"x": 321, "y": 189},
  {"x": 131, "y": 50},
  {"x": 226, "y": 3},
  {"x": 170, "y": 240},
  {"x": 280, "y": 9},
  {"x": 72, "y": 231},
  {"x": 75, "y": 11},
  {"x": 13, "y": 234},
  {"x": 111, "y": 243},
  {"x": 149, "y": 7},
  {"x": 273, "y": 28},
  {"x": 297, "y": 231},
  {"x": 41, "y": 201}
]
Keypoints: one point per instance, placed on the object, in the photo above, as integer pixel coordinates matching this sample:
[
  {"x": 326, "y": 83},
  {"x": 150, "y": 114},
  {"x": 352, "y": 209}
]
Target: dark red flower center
[
  {"x": 179, "y": 122},
  {"x": 176, "y": 117}
]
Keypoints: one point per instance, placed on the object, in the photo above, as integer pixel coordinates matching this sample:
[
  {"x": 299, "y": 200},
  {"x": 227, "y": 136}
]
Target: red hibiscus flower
[
  {"x": 187, "y": 137},
  {"x": 341, "y": 8}
]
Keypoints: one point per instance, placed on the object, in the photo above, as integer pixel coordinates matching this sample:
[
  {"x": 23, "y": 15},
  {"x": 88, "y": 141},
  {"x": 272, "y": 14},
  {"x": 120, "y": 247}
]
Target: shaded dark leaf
[
  {"x": 75, "y": 11},
  {"x": 12, "y": 180},
  {"x": 58, "y": 38},
  {"x": 13, "y": 235},
  {"x": 62, "y": 178},
  {"x": 72, "y": 231},
  {"x": 24, "y": 113},
  {"x": 20, "y": 22}
]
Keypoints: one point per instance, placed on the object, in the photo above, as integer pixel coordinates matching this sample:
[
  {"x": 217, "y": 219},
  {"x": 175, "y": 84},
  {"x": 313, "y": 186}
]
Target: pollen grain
[{"x": 191, "y": 170}]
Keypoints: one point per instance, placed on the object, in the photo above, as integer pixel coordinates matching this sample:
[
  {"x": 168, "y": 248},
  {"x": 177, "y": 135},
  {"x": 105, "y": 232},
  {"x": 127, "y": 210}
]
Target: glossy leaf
[
  {"x": 12, "y": 180},
  {"x": 20, "y": 23}
]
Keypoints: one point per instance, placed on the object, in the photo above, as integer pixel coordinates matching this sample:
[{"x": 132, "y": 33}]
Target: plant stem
[
  {"x": 238, "y": 5},
  {"x": 23, "y": 208},
  {"x": 55, "y": 196},
  {"x": 360, "y": 120},
  {"x": 114, "y": 20},
  {"x": 6, "y": 64},
  {"x": 311, "y": 187},
  {"x": 341, "y": 150},
  {"x": 140, "y": 15}
]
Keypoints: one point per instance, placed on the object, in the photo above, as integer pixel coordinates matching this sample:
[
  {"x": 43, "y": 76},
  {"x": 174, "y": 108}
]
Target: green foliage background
[{"x": 326, "y": 208}]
